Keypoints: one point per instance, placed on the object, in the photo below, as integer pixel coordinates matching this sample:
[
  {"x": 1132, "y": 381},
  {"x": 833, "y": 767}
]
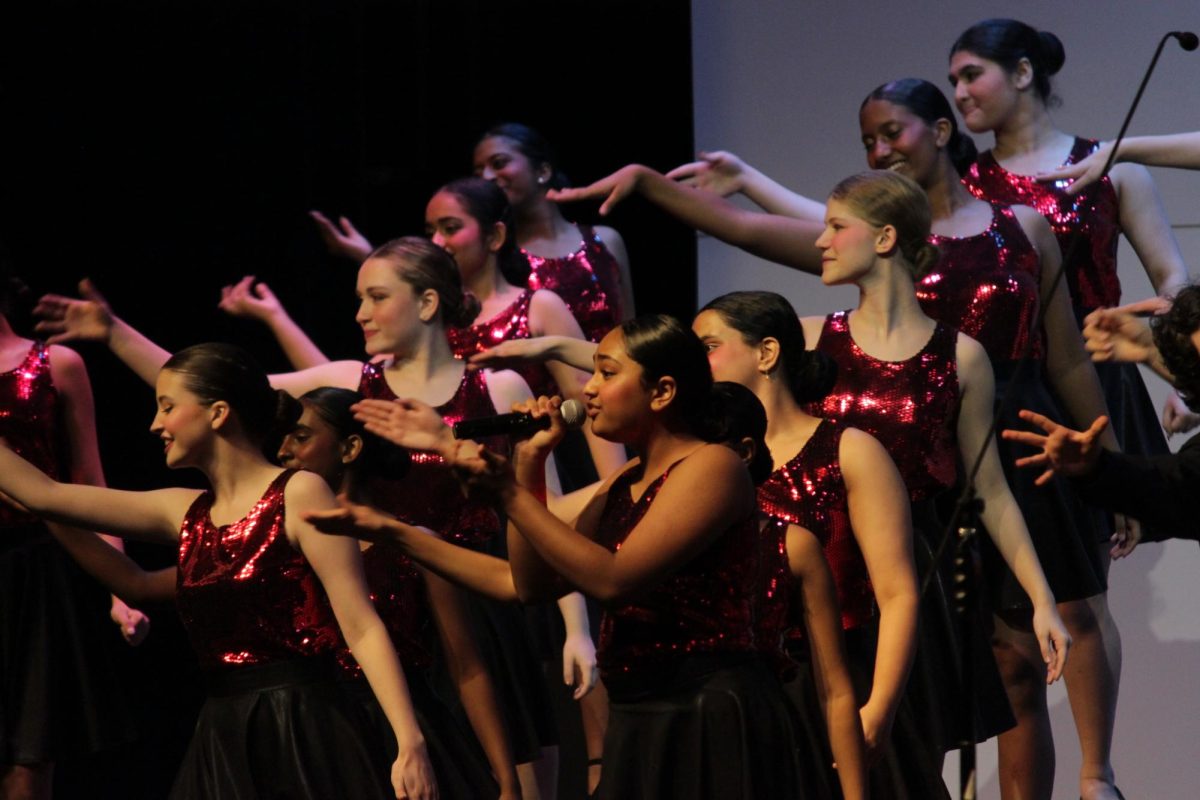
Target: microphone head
[
  {"x": 1187, "y": 40},
  {"x": 573, "y": 413}
]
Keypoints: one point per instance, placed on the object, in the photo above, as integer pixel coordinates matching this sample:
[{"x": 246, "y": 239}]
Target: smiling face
[
  {"x": 849, "y": 245},
  {"x": 985, "y": 94},
  {"x": 898, "y": 140},
  {"x": 389, "y": 311},
  {"x": 729, "y": 355},
  {"x": 618, "y": 401},
  {"x": 182, "y": 422},
  {"x": 451, "y": 227},
  {"x": 500, "y": 160}
]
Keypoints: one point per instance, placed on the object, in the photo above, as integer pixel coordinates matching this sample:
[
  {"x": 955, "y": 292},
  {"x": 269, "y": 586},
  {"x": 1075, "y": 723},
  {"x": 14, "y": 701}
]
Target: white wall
[{"x": 780, "y": 83}]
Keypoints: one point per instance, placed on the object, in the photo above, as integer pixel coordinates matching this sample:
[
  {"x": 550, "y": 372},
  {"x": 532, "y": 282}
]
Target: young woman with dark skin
[
  {"x": 261, "y": 634},
  {"x": 684, "y": 547}
]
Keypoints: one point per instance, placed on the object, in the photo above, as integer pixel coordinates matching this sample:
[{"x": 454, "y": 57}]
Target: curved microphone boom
[
  {"x": 1187, "y": 40},
  {"x": 519, "y": 423}
]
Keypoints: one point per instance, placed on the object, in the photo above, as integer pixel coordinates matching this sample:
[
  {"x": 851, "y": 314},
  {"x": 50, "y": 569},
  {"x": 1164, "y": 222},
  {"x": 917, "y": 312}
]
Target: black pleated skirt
[
  {"x": 283, "y": 731},
  {"x": 59, "y": 689},
  {"x": 719, "y": 729}
]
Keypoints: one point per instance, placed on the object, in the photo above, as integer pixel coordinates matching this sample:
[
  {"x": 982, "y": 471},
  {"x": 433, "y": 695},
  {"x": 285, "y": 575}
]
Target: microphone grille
[{"x": 573, "y": 413}]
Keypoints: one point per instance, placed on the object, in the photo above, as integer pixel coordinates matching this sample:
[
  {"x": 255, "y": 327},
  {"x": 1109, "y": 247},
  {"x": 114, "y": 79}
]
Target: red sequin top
[
  {"x": 246, "y": 596},
  {"x": 511, "y": 323},
  {"x": 398, "y": 592},
  {"x": 705, "y": 606},
  {"x": 429, "y": 495},
  {"x": 774, "y": 595},
  {"x": 988, "y": 287},
  {"x": 28, "y": 420},
  {"x": 1094, "y": 213},
  {"x": 588, "y": 280},
  {"x": 809, "y": 491},
  {"x": 910, "y": 406}
]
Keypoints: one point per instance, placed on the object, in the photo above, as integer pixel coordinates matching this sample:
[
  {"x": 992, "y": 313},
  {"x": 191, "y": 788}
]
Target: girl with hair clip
[
  {"x": 894, "y": 336},
  {"x": 586, "y": 266},
  {"x": 261, "y": 594},
  {"x": 1001, "y": 71},
  {"x": 51, "y": 706},
  {"x": 675, "y": 568},
  {"x": 786, "y": 549},
  {"x": 328, "y": 441},
  {"x": 411, "y": 294}
]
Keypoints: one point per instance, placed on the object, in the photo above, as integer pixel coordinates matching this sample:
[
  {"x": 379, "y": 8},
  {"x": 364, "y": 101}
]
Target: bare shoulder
[
  {"x": 67, "y": 369},
  {"x": 505, "y": 388},
  {"x": 610, "y": 237}
]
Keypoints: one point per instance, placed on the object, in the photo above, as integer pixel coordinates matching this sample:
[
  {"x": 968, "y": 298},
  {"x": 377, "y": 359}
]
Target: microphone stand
[{"x": 964, "y": 521}]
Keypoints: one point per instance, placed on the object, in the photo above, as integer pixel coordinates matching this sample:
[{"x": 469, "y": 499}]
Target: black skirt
[
  {"x": 719, "y": 729},
  {"x": 1070, "y": 537},
  {"x": 908, "y": 766},
  {"x": 935, "y": 687},
  {"x": 59, "y": 693},
  {"x": 282, "y": 730},
  {"x": 461, "y": 766}
]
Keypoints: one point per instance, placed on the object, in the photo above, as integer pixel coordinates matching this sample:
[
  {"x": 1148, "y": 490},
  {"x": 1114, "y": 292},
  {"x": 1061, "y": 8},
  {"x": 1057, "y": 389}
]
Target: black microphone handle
[{"x": 515, "y": 424}]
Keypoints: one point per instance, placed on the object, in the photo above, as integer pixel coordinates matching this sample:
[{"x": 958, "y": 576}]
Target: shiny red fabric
[
  {"x": 588, "y": 280},
  {"x": 511, "y": 323},
  {"x": 28, "y": 417}
]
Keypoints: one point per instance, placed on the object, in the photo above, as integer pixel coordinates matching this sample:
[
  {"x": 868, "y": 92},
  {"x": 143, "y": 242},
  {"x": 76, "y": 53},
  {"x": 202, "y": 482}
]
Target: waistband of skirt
[{"x": 272, "y": 675}]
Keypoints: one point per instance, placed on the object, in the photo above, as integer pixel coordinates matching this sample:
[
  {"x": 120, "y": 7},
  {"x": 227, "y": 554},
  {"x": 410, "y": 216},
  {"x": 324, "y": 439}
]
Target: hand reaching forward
[
  {"x": 719, "y": 172},
  {"x": 1064, "y": 451},
  {"x": 1083, "y": 173},
  {"x": 342, "y": 239},
  {"x": 405, "y": 422},
  {"x": 612, "y": 190},
  {"x": 86, "y": 318}
]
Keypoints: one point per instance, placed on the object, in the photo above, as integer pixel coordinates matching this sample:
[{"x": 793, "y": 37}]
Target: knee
[
  {"x": 1024, "y": 677},
  {"x": 1082, "y": 617}
]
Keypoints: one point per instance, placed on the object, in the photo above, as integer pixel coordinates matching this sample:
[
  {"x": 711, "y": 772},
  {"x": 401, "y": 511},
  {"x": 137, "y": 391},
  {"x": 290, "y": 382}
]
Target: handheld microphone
[{"x": 519, "y": 423}]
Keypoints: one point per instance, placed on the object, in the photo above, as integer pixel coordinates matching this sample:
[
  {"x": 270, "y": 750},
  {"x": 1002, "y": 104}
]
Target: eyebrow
[{"x": 598, "y": 357}]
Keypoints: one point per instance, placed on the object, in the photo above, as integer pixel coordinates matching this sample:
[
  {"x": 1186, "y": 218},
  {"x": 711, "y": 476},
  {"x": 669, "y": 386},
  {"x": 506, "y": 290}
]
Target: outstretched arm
[
  {"x": 574, "y": 352},
  {"x": 784, "y": 240},
  {"x": 1172, "y": 150},
  {"x": 1001, "y": 516},
  {"x": 723, "y": 173},
  {"x": 256, "y": 301},
  {"x": 823, "y": 627},
  {"x": 114, "y": 570}
]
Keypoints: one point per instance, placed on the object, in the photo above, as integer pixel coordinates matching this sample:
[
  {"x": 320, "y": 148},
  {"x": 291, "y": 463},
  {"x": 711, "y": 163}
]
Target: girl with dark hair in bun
[
  {"x": 261, "y": 593},
  {"x": 411, "y": 294}
]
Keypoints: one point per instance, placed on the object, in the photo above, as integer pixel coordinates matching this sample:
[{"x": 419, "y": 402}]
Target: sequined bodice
[
  {"x": 774, "y": 596},
  {"x": 910, "y": 406},
  {"x": 809, "y": 491},
  {"x": 511, "y": 323},
  {"x": 588, "y": 280},
  {"x": 429, "y": 494},
  {"x": 1094, "y": 214},
  {"x": 398, "y": 592},
  {"x": 28, "y": 416},
  {"x": 246, "y": 596},
  {"x": 705, "y": 606},
  {"x": 987, "y": 286}
]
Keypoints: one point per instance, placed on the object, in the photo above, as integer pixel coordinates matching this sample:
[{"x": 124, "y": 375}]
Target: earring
[{"x": 541, "y": 180}]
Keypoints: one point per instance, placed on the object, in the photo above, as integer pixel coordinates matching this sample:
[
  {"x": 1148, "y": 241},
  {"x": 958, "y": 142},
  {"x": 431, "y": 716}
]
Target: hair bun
[
  {"x": 466, "y": 311},
  {"x": 816, "y": 377},
  {"x": 1050, "y": 52},
  {"x": 926, "y": 259},
  {"x": 962, "y": 151}
]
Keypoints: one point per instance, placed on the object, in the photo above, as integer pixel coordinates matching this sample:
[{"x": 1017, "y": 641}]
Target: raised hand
[
  {"x": 1082, "y": 173},
  {"x": 248, "y": 299},
  {"x": 342, "y": 239},
  {"x": 408, "y": 423},
  {"x": 612, "y": 190},
  {"x": 720, "y": 172},
  {"x": 1064, "y": 451},
  {"x": 85, "y": 318}
]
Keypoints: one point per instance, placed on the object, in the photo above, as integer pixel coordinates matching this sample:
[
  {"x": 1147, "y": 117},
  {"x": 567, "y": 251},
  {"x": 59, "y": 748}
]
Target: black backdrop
[{"x": 166, "y": 149}]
